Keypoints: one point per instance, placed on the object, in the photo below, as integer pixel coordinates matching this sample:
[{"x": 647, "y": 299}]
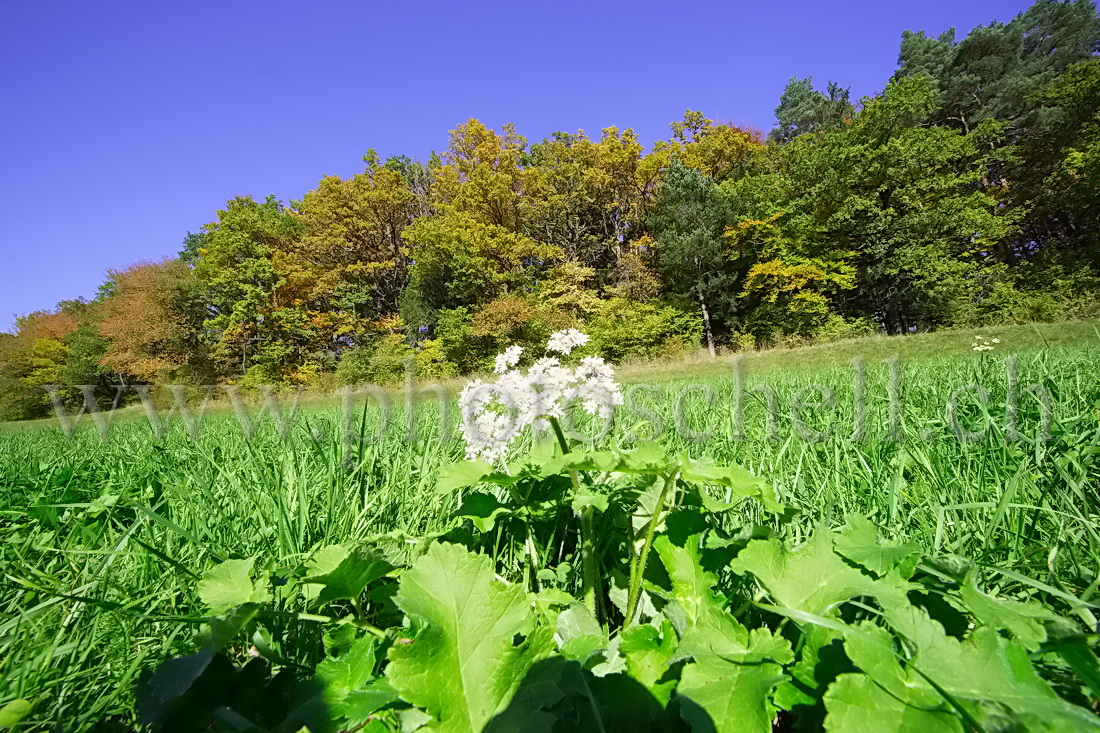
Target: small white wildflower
[
  {"x": 510, "y": 357},
  {"x": 995, "y": 340},
  {"x": 493, "y": 415},
  {"x": 565, "y": 341}
]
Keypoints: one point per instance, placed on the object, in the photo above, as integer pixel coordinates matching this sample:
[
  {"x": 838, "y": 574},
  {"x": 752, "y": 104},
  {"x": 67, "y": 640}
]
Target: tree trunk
[{"x": 706, "y": 325}]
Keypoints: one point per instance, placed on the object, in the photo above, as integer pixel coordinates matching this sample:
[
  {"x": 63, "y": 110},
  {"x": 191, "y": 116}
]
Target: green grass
[{"x": 102, "y": 542}]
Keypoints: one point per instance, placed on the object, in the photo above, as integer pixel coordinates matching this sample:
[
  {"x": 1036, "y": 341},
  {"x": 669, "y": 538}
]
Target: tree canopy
[{"x": 966, "y": 192}]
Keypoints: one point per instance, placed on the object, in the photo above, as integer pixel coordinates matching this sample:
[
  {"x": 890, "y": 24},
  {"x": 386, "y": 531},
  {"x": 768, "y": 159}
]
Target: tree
[
  {"x": 351, "y": 256},
  {"x": 802, "y": 109},
  {"x": 150, "y": 322},
  {"x": 1060, "y": 169},
  {"x": 248, "y": 324},
  {"x": 459, "y": 260},
  {"x": 689, "y": 222},
  {"x": 900, "y": 201},
  {"x": 31, "y": 359},
  {"x": 995, "y": 68}
]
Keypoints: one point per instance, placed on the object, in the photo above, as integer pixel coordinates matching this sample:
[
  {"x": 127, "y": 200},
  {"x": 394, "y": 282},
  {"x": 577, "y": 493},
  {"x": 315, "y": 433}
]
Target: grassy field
[{"x": 103, "y": 541}]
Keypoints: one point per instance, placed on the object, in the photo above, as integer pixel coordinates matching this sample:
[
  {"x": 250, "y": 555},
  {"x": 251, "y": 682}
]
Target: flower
[
  {"x": 565, "y": 341},
  {"x": 981, "y": 343},
  {"x": 494, "y": 414},
  {"x": 510, "y": 357}
]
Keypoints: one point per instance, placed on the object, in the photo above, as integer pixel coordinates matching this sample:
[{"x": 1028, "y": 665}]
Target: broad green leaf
[
  {"x": 813, "y": 578},
  {"x": 872, "y": 650},
  {"x": 482, "y": 510},
  {"x": 542, "y": 689},
  {"x": 552, "y": 597},
  {"x": 351, "y": 577},
  {"x": 985, "y": 668},
  {"x": 649, "y": 652},
  {"x": 857, "y": 705},
  {"x": 466, "y": 660},
  {"x": 583, "y": 499},
  {"x": 741, "y": 483},
  {"x": 729, "y": 685},
  {"x": 349, "y": 688},
  {"x": 584, "y": 649},
  {"x": 858, "y": 541},
  {"x": 645, "y": 458},
  {"x": 691, "y": 585},
  {"x": 229, "y": 584},
  {"x": 579, "y": 635},
  {"x": 223, "y": 629},
  {"x": 1024, "y": 620},
  {"x": 358, "y": 705},
  {"x": 1069, "y": 643},
  {"x": 326, "y": 559},
  {"x": 578, "y": 621},
  {"x": 323, "y": 561},
  {"x": 586, "y": 461},
  {"x": 467, "y": 473},
  {"x": 821, "y": 658},
  {"x": 14, "y": 712}
]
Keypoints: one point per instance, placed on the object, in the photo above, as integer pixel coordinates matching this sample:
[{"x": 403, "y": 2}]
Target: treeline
[{"x": 968, "y": 192}]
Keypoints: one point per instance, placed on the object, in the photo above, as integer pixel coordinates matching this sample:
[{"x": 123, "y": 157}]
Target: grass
[{"x": 103, "y": 541}]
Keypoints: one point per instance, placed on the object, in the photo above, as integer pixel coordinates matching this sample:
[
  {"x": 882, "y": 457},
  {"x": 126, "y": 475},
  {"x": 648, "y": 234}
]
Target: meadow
[{"x": 105, "y": 542}]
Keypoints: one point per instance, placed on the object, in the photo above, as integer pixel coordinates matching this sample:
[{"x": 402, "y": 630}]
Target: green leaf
[
  {"x": 729, "y": 685},
  {"x": 351, "y": 577},
  {"x": 812, "y": 578},
  {"x": 224, "y": 629},
  {"x": 1024, "y": 620},
  {"x": 856, "y": 705},
  {"x": 467, "y": 659},
  {"x": 322, "y": 562},
  {"x": 579, "y": 635},
  {"x": 14, "y": 712},
  {"x": 483, "y": 510},
  {"x": 1069, "y": 643},
  {"x": 326, "y": 559},
  {"x": 691, "y": 585},
  {"x": 982, "y": 673},
  {"x": 467, "y": 473},
  {"x": 349, "y": 688},
  {"x": 584, "y": 499},
  {"x": 649, "y": 652},
  {"x": 358, "y": 705},
  {"x": 229, "y": 584},
  {"x": 737, "y": 479},
  {"x": 858, "y": 541},
  {"x": 648, "y": 457}
]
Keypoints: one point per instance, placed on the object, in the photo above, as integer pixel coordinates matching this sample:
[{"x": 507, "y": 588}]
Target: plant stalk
[
  {"x": 638, "y": 568},
  {"x": 589, "y": 566}
]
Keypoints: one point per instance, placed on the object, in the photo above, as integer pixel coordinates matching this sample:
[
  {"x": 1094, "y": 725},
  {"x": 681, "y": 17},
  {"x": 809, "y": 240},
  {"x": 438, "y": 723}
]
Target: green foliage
[
  {"x": 733, "y": 629},
  {"x": 463, "y": 665},
  {"x": 802, "y": 109},
  {"x": 622, "y": 329},
  {"x": 689, "y": 220},
  {"x": 962, "y": 194},
  {"x": 731, "y": 595}
]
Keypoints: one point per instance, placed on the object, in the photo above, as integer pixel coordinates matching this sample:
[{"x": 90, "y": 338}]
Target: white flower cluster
[
  {"x": 509, "y": 358},
  {"x": 494, "y": 414},
  {"x": 565, "y": 341},
  {"x": 981, "y": 343}
]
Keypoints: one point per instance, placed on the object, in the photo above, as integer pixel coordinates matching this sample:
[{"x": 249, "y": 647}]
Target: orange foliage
[{"x": 138, "y": 321}]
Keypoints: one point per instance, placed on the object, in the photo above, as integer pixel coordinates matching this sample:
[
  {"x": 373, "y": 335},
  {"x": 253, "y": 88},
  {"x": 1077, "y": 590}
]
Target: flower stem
[
  {"x": 589, "y": 565},
  {"x": 638, "y": 568}
]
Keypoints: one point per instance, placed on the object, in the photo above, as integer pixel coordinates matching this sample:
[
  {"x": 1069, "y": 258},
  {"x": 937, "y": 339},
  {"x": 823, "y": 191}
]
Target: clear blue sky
[{"x": 123, "y": 125}]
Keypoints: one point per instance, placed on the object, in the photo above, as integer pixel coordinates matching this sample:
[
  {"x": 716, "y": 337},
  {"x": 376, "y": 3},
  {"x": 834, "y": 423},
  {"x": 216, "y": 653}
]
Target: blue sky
[{"x": 123, "y": 125}]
